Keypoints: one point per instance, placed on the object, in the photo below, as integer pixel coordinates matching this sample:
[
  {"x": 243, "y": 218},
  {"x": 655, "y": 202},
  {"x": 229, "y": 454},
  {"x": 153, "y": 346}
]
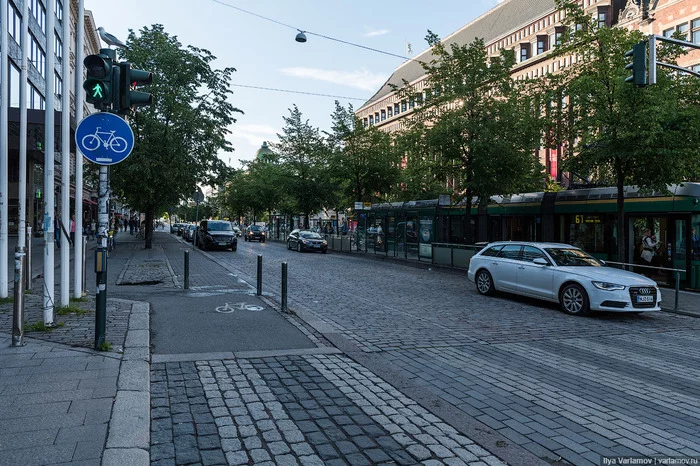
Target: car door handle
[
  {"x": 494, "y": 263},
  {"x": 521, "y": 267}
]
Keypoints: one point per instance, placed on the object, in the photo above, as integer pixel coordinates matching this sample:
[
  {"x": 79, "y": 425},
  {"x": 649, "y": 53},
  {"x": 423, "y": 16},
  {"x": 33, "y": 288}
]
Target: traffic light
[
  {"x": 638, "y": 64},
  {"x": 98, "y": 84},
  {"x": 129, "y": 79}
]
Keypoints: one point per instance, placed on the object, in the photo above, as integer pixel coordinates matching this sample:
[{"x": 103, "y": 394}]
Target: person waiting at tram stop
[{"x": 649, "y": 248}]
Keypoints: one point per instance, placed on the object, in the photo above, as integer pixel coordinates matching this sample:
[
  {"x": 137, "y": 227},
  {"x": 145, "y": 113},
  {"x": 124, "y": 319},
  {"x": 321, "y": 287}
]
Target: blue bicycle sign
[{"x": 104, "y": 138}]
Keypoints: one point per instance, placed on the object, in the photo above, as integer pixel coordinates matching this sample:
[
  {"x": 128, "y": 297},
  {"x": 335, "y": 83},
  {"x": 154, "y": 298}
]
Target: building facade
[
  {"x": 531, "y": 28},
  {"x": 36, "y": 100}
]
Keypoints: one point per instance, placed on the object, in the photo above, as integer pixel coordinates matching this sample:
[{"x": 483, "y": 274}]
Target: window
[
  {"x": 524, "y": 52},
  {"x": 14, "y": 85},
  {"x": 411, "y": 102},
  {"x": 510, "y": 251},
  {"x": 58, "y": 8},
  {"x": 695, "y": 24},
  {"x": 603, "y": 17},
  {"x": 558, "y": 35},
  {"x": 383, "y": 115},
  {"x": 58, "y": 47},
  {"x": 542, "y": 45},
  {"x": 683, "y": 30},
  {"x": 389, "y": 111},
  {"x": 371, "y": 120},
  {"x": 14, "y": 23},
  {"x": 396, "y": 109},
  {"x": 37, "y": 55},
  {"x": 39, "y": 13},
  {"x": 419, "y": 98},
  {"x": 668, "y": 32},
  {"x": 403, "y": 106},
  {"x": 376, "y": 117},
  {"x": 57, "y": 85},
  {"x": 492, "y": 252},
  {"x": 531, "y": 253},
  {"x": 35, "y": 100},
  {"x": 364, "y": 122}
]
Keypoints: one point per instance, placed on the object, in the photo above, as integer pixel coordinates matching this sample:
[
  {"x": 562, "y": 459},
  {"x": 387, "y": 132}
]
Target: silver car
[{"x": 561, "y": 273}]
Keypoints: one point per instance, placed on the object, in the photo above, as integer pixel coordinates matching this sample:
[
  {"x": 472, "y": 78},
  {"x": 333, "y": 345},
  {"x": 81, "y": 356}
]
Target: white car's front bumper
[{"x": 621, "y": 300}]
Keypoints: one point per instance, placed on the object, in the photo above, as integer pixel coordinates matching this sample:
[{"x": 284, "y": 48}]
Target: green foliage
[
  {"x": 9, "y": 299},
  {"x": 179, "y": 137},
  {"x": 363, "y": 162},
  {"x": 476, "y": 131},
  {"x": 105, "y": 346},
  {"x": 40, "y": 327},
  {"x": 65, "y": 310}
]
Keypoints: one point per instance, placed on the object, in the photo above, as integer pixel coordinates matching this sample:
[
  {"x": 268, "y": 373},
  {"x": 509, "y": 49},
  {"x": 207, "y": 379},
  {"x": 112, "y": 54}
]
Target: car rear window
[{"x": 492, "y": 251}]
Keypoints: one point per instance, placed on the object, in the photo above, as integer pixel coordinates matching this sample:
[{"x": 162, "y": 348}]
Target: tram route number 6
[{"x": 229, "y": 308}]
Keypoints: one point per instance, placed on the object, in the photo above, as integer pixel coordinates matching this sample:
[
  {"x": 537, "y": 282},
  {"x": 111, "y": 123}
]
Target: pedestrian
[
  {"x": 72, "y": 229},
  {"x": 694, "y": 244}
]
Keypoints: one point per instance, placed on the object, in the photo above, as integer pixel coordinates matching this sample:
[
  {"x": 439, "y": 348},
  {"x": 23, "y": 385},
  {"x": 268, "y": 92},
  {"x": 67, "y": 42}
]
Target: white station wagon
[{"x": 564, "y": 274}]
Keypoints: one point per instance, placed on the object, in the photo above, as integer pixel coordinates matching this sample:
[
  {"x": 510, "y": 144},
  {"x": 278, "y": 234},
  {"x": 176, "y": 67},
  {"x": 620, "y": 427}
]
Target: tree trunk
[
  {"x": 149, "y": 227},
  {"x": 468, "y": 236}
]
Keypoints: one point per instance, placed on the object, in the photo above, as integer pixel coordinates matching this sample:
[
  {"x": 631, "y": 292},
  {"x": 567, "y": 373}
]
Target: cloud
[
  {"x": 375, "y": 33},
  {"x": 253, "y": 134},
  {"x": 360, "y": 79}
]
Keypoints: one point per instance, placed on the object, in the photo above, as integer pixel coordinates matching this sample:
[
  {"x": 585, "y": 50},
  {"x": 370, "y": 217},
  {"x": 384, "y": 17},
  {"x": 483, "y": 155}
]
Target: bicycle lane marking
[{"x": 229, "y": 308}]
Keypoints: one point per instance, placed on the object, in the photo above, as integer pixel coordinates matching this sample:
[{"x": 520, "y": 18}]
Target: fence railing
[{"x": 677, "y": 274}]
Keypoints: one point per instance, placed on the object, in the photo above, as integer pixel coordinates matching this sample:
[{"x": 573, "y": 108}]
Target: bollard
[
  {"x": 284, "y": 287},
  {"x": 28, "y": 261},
  {"x": 100, "y": 296},
  {"x": 84, "y": 272},
  {"x": 259, "y": 290},
  {"x": 18, "y": 308},
  {"x": 678, "y": 286},
  {"x": 187, "y": 270}
]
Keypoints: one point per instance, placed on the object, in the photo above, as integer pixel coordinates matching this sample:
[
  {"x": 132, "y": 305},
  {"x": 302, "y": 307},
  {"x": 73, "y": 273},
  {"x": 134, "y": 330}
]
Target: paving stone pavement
[{"x": 307, "y": 410}]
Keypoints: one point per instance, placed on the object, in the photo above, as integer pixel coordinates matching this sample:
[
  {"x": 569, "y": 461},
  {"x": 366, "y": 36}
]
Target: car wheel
[
  {"x": 289, "y": 245},
  {"x": 298, "y": 247},
  {"x": 233, "y": 248},
  {"x": 262, "y": 240},
  {"x": 484, "y": 282},
  {"x": 323, "y": 251},
  {"x": 574, "y": 300}
]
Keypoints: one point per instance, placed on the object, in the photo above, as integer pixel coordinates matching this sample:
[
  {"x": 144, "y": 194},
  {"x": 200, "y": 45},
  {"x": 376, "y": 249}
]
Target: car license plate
[
  {"x": 223, "y": 244},
  {"x": 645, "y": 299},
  {"x": 315, "y": 245}
]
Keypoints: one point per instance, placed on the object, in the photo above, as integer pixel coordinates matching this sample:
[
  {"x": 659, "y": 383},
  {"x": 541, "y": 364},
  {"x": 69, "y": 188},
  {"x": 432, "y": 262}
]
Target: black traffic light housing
[
  {"x": 638, "y": 64},
  {"x": 128, "y": 80},
  {"x": 99, "y": 82}
]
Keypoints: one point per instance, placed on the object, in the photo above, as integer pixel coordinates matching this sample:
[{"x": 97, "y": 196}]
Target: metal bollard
[
  {"x": 187, "y": 270},
  {"x": 18, "y": 308},
  {"x": 84, "y": 271},
  {"x": 28, "y": 261},
  {"x": 259, "y": 291},
  {"x": 678, "y": 286},
  {"x": 284, "y": 287}
]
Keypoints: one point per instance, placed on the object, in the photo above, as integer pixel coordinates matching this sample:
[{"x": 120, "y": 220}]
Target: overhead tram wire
[
  {"x": 314, "y": 33},
  {"x": 298, "y": 92}
]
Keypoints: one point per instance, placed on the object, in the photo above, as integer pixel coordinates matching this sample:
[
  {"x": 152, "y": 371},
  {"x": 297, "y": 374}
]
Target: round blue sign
[{"x": 104, "y": 138}]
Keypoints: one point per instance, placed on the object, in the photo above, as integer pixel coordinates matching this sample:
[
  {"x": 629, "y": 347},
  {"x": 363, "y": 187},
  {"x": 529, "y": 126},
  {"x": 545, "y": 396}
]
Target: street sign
[{"x": 104, "y": 138}]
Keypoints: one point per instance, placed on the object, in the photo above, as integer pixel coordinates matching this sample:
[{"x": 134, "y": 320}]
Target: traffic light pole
[
  {"x": 101, "y": 259},
  {"x": 652, "y": 56}
]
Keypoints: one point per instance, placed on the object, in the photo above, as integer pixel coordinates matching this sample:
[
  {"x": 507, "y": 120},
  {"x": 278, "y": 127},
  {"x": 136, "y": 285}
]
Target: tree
[
  {"x": 364, "y": 163},
  {"x": 306, "y": 176},
  {"x": 179, "y": 136},
  {"x": 620, "y": 134},
  {"x": 473, "y": 126}
]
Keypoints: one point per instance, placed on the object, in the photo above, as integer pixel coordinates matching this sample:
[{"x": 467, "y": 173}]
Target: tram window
[
  {"x": 588, "y": 236},
  {"x": 493, "y": 251}
]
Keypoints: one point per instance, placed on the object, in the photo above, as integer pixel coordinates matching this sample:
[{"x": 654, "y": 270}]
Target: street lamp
[{"x": 301, "y": 37}]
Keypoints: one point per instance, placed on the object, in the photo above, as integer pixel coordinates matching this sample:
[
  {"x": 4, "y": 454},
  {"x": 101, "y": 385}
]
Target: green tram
[{"x": 581, "y": 217}]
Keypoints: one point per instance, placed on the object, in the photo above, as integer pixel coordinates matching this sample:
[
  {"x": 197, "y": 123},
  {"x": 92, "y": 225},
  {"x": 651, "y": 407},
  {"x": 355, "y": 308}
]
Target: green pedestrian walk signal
[
  {"x": 129, "y": 80},
  {"x": 98, "y": 84}
]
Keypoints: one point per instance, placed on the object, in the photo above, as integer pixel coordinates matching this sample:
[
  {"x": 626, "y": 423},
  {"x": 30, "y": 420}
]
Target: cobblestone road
[{"x": 565, "y": 389}]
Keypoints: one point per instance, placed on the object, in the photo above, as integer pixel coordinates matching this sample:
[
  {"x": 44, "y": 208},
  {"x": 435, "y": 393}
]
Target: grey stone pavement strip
[{"x": 322, "y": 409}]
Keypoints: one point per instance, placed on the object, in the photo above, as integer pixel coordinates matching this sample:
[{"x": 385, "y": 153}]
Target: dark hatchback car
[
  {"x": 216, "y": 234},
  {"x": 255, "y": 232},
  {"x": 306, "y": 240}
]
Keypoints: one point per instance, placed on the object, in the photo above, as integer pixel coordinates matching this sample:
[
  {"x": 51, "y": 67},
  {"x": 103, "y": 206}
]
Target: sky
[{"x": 265, "y": 54}]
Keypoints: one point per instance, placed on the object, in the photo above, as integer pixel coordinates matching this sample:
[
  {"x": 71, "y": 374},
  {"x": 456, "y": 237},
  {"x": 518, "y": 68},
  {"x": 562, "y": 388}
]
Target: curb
[{"x": 128, "y": 438}]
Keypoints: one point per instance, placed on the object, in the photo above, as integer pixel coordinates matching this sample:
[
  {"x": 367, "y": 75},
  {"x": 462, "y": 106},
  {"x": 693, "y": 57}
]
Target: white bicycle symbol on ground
[
  {"x": 105, "y": 138},
  {"x": 228, "y": 308}
]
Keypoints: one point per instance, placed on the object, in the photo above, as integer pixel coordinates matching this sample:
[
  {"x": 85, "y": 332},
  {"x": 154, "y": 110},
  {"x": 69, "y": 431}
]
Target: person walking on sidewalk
[{"x": 72, "y": 229}]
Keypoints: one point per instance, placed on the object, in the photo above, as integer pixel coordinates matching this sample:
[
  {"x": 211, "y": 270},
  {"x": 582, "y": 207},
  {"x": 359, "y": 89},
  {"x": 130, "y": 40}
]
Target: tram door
[{"x": 667, "y": 232}]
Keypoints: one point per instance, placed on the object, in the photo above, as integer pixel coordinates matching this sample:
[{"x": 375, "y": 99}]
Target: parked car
[
  {"x": 176, "y": 227},
  {"x": 255, "y": 232},
  {"x": 561, "y": 273},
  {"x": 188, "y": 232},
  {"x": 306, "y": 240},
  {"x": 216, "y": 234},
  {"x": 237, "y": 231}
]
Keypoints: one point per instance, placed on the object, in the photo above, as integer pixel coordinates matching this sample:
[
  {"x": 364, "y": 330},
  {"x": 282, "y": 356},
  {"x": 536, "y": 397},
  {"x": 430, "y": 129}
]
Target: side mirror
[
  {"x": 602, "y": 261},
  {"x": 540, "y": 261}
]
